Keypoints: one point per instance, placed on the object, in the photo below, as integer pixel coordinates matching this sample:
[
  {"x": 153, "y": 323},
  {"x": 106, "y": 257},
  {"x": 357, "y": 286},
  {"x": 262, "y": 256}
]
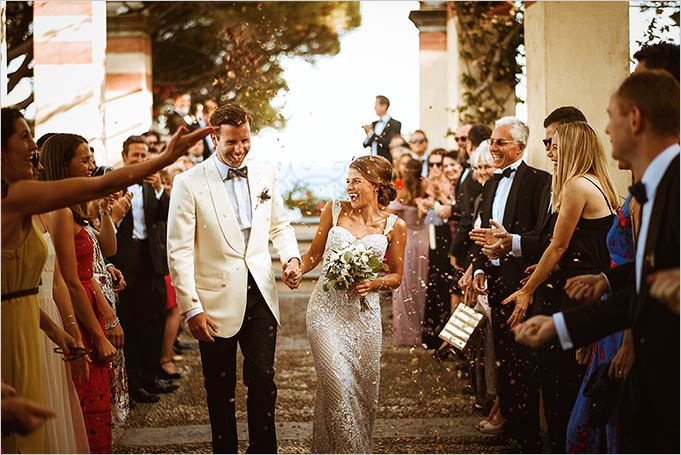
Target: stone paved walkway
[{"x": 421, "y": 407}]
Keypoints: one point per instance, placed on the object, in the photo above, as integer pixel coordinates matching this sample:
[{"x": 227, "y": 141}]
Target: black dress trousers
[{"x": 257, "y": 339}]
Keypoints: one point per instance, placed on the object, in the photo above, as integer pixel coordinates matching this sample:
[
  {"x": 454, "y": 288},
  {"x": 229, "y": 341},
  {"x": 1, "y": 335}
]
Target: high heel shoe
[{"x": 490, "y": 428}]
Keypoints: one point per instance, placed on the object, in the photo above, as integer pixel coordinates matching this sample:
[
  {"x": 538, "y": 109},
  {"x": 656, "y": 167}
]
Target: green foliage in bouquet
[{"x": 351, "y": 263}]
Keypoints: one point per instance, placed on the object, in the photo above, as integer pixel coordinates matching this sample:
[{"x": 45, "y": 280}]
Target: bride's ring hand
[{"x": 362, "y": 288}]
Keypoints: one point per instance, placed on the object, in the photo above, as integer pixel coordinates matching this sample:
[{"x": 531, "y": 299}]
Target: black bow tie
[
  {"x": 242, "y": 172},
  {"x": 507, "y": 173},
  {"x": 638, "y": 191}
]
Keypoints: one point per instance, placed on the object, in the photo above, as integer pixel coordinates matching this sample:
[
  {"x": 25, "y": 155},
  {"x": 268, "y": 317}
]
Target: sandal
[{"x": 164, "y": 374}]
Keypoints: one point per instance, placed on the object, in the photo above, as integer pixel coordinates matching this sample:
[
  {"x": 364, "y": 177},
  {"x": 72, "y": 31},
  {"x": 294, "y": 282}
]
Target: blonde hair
[{"x": 580, "y": 153}]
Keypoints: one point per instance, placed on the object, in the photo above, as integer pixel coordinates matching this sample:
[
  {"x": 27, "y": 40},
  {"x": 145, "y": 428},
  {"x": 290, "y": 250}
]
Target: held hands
[
  {"x": 586, "y": 288},
  {"x": 522, "y": 301},
  {"x": 200, "y": 326},
  {"x": 291, "y": 273},
  {"x": 535, "y": 331}
]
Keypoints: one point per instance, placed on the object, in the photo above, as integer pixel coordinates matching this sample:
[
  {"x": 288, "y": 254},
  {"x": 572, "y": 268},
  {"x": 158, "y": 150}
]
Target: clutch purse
[{"x": 461, "y": 326}]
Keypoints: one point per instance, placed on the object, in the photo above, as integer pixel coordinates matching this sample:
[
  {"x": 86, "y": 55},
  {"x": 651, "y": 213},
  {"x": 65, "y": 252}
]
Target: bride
[{"x": 345, "y": 341}]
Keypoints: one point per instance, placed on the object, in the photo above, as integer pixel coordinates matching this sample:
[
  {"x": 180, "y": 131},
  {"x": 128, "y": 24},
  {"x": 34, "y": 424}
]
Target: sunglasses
[
  {"x": 417, "y": 141},
  {"x": 34, "y": 159},
  {"x": 461, "y": 138},
  {"x": 547, "y": 142},
  {"x": 434, "y": 164},
  {"x": 501, "y": 142}
]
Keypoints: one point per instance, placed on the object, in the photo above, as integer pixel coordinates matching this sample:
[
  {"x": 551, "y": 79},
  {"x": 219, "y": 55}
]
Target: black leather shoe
[
  {"x": 143, "y": 396},
  {"x": 161, "y": 386}
]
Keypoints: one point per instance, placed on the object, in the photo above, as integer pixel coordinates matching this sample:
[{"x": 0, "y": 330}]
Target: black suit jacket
[
  {"x": 156, "y": 220},
  {"x": 655, "y": 328},
  {"x": 393, "y": 128},
  {"x": 466, "y": 194},
  {"x": 525, "y": 207},
  {"x": 174, "y": 121}
]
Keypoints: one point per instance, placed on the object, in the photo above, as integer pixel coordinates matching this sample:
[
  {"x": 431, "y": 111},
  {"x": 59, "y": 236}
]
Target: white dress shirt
[
  {"x": 651, "y": 179},
  {"x": 239, "y": 196},
  {"x": 501, "y": 198},
  {"x": 378, "y": 130},
  {"x": 139, "y": 222}
]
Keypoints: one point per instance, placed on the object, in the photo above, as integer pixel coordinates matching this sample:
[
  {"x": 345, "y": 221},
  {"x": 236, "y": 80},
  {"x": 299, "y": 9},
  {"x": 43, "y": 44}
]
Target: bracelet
[
  {"x": 70, "y": 323},
  {"x": 382, "y": 282},
  {"x": 106, "y": 212},
  {"x": 112, "y": 325}
]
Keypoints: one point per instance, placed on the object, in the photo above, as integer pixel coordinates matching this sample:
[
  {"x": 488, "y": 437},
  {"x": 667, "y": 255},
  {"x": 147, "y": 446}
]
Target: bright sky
[{"x": 329, "y": 101}]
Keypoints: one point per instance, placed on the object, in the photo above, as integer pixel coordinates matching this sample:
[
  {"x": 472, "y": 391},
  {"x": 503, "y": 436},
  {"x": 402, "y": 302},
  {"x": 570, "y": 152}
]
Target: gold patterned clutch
[{"x": 461, "y": 326}]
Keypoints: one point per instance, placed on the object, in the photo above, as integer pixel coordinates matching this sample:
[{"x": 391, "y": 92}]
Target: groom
[{"x": 222, "y": 216}]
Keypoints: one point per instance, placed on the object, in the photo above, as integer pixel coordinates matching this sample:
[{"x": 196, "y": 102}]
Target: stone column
[
  {"x": 69, "y": 52},
  {"x": 577, "y": 54},
  {"x": 129, "y": 98},
  {"x": 431, "y": 21}
]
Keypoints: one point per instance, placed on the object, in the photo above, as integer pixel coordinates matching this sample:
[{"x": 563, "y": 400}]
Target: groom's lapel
[{"x": 224, "y": 212}]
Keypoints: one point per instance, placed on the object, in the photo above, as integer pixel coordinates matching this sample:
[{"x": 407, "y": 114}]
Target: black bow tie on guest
[
  {"x": 507, "y": 173},
  {"x": 242, "y": 172},
  {"x": 638, "y": 191}
]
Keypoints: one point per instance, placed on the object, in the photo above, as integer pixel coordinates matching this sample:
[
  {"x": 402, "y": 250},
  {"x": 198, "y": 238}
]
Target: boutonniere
[{"x": 264, "y": 196}]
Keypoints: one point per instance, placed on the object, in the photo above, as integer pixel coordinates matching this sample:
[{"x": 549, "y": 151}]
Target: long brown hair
[
  {"x": 413, "y": 187},
  {"x": 55, "y": 156}
]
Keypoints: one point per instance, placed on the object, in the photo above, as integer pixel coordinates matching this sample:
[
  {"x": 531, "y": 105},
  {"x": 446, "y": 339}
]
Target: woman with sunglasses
[{"x": 24, "y": 251}]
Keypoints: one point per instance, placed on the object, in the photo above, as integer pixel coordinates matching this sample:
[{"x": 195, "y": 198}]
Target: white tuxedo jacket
[{"x": 208, "y": 260}]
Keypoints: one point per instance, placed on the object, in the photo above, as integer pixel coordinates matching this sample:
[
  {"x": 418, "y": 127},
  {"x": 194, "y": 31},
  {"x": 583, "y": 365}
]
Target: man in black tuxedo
[
  {"x": 644, "y": 131},
  {"x": 560, "y": 375},
  {"x": 382, "y": 130},
  {"x": 142, "y": 258},
  {"x": 513, "y": 199},
  {"x": 467, "y": 191},
  {"x": 180, "y": 116}
]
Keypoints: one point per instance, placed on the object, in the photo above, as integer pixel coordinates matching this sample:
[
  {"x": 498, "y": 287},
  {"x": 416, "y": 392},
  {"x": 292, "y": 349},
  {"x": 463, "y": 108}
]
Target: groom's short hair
[{"x": 230, "y": 114}]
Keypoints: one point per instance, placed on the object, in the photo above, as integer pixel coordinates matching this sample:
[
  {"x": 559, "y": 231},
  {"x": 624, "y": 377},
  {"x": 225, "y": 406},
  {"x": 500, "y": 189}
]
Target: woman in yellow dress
[{"x": 24, "y": 250}]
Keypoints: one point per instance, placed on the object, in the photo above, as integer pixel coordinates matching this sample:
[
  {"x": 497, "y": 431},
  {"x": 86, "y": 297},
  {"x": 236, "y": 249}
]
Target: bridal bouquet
[{"x": 349, "y": 264}]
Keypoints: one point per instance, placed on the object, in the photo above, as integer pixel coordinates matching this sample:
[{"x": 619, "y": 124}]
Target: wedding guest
[
  {"x": 74, "y": 250},
  {"x": 24, "y": 252},
  {"x": 142, "y": 258},
  {"x": 66, "y": 433},
  {"x": 410, "y": 298},
  {"x": 180, "y": 115},
  {"x": 382, "y": 130},
  {"x": 505, "y": 203},
  {"x": 468, "y": 190},
  {"x": 418, "y": 142},
  {"x": 399, "y": 169},
  {"x": 440, "y": 271},
  {"x": 461, "y": 137}
]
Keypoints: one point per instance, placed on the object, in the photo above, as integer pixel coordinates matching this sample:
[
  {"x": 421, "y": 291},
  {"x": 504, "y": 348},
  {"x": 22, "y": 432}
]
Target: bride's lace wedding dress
[{"x": 346, "y": 345}]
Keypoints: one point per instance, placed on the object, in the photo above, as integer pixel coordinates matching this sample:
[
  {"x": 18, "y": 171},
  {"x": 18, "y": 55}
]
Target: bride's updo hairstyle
[{"x": 378, "y": 171}]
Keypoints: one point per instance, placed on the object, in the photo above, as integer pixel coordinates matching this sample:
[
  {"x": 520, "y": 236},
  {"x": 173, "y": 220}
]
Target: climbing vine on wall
[{"x": 490, "y": 35}]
